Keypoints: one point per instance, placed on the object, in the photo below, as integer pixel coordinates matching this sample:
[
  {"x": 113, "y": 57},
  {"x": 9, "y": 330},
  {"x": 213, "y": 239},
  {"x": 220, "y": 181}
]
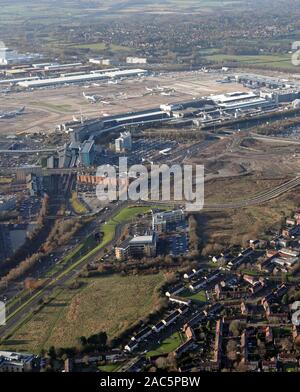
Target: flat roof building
[
  {"x": 163, "y": 221},
  {"x": 240, "y": 100},
  {"x": 137, "y": 247}
]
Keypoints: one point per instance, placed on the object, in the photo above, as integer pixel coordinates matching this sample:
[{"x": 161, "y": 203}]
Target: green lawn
[
  {"x": 130, "y": 212},
  {"x": 77, "y": 205},
  {"x": 5, "y": 180},
  {"x": 123, "y": 216},
  {"x": 200, "y": 296},
  {"x": 168, "y": 345},
  {"x": 268, "y": 61},
  {"x": 51, "y": 106}
]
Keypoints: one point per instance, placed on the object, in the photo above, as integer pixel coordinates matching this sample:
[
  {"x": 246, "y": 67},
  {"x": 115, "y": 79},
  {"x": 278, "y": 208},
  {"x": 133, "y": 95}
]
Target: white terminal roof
[
  {"x": 130, "y": 117},
  {"x": 245, "y": 103},
  {"x": 80, "y": 78},
  {"x": 234, "y": 96}
]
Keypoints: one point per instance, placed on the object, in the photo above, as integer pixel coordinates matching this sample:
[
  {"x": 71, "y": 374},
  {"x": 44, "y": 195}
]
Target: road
[
  {"x": 16, "y": 152},
  {"x": 21, "y": 310}
]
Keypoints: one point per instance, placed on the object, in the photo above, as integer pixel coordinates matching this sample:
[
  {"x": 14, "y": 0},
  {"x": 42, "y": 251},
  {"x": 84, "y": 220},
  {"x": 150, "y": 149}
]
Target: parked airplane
[
  {"x": 92, "y": 98},
  {"x": 12, "y": 114}
]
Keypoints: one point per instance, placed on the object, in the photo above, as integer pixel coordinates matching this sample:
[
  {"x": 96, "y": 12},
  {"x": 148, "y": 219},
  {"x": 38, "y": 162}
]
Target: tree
[
  {"x": 52, "y": 352},
  {"x": 241, "y": 367},
  {"x": 99, "y": 339},
  {"x": 235, "y": 327},
  {"x": 83, "y": 340},
  {"x": 261, "y": 348},
  {"x": 285, "y": 299},
  {"x": 287, "y": 344},
  {"x": 161, "y": 363},
  {"x": 231, "y": 349}
]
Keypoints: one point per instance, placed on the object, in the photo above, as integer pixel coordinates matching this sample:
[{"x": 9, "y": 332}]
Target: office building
[
  {"x": 167, "y": 220},
  {"x": 137, "y": 247}
]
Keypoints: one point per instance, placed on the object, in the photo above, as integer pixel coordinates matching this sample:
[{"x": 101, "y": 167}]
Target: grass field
[
  {"x": 237, "y": 226},
  {"x": 130, "y": 212},
  {"x": 200, "y": 296},
  {"x": 88, "y": 248},
  {"x": 123, "y": 216},
  {"x": 5, "y": 180},
  {"x": 51, "y": 106},
  {"x": 168, "y": 345},
  {"x": 235, "y": 188},
  {"x": 109, "y": 304},
  {"x": 77, "y": 206},
  {"x": 263, "y": 61}
]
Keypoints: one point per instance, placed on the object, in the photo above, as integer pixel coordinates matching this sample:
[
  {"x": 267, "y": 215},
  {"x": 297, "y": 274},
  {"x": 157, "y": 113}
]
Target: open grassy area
[
  {"x": 123, "y": 216},
  {"x": 77, "y": 206},
  {"x": 88, "y": 248},
  {"x": 236, "y": 188},
  {"x": 109, "y": 304},
  {"x": 199, "y": 297},
  {"x": 5, "y": 180},
  {"x": 263, "y": 61},
  {"x": 236, "y": 226},
  {"x": 130, "y": 212},
  {"x": 51, "y": 106},
  {"x": 168, "y": 345}
]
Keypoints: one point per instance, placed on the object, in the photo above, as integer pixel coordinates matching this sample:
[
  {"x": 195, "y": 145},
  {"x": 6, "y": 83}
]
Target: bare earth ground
[{"x": 234, "y": 172}]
